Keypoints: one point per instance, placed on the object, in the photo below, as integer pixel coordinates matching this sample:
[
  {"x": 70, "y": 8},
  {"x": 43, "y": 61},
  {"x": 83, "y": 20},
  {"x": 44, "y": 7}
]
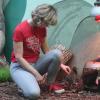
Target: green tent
[{"x": 76, "y": 29}]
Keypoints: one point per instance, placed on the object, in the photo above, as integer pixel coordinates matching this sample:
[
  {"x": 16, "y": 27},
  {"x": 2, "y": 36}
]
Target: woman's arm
[
  {"x": 18, "y": 51},
  {"x": 44, "y": 46}
]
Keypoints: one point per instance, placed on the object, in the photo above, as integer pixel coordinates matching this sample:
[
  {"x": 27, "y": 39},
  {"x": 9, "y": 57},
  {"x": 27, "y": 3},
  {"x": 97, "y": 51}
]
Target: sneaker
[{"x": 57, "y": 88}]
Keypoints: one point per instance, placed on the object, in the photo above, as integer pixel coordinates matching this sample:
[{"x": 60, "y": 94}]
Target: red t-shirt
[{"x": 32, "y": 38}]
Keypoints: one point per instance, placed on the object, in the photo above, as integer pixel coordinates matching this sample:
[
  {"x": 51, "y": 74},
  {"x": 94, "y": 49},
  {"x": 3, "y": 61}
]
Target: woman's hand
[
  {"x": 41, "y": 79},
  {"x": 66, "y": 69}
]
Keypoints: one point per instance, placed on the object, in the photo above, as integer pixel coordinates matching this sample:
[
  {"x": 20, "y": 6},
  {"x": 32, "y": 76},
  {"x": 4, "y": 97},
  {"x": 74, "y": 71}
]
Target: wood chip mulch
[{"x": 9, "y": 91}]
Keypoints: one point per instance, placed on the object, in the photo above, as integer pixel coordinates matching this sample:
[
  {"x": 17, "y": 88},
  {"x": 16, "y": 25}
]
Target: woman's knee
[
  {"x": 55, "y": 55},
  {"x": 32, "y": 93}
]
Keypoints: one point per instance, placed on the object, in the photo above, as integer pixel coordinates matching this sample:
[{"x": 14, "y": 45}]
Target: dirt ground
[{"x": 9, "y": 91}]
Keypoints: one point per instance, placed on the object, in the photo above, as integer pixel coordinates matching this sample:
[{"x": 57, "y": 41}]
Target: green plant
[{"x": 5, "y": 74}]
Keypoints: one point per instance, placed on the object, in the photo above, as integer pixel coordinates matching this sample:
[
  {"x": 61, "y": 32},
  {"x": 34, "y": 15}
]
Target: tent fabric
[
  {"x": 85, "y": 44},
  {"x": 70, "y": 14},
  {"x": 77, "y": 30}
]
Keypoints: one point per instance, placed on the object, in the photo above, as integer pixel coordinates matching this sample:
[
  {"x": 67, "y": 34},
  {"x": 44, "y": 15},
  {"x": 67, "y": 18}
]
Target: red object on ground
[
  {"x": 57, "y": 88},
  {"x": 97, "y": 18}
]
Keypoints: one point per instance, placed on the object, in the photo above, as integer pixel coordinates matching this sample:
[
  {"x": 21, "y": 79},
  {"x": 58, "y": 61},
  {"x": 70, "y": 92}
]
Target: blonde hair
[{"x": 46, "y": 12}]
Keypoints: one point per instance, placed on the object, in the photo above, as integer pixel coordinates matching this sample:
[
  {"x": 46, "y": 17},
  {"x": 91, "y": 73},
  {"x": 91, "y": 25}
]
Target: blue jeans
[{"x": 49, "y": 63}]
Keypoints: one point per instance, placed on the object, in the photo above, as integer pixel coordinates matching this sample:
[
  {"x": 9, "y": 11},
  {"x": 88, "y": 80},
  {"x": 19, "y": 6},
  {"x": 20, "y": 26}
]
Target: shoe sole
[{"x": 60, "y": 91}]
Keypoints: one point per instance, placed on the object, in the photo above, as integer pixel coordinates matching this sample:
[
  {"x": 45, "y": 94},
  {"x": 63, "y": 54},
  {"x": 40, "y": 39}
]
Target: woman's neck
[{"x": 30, "y": 21}]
